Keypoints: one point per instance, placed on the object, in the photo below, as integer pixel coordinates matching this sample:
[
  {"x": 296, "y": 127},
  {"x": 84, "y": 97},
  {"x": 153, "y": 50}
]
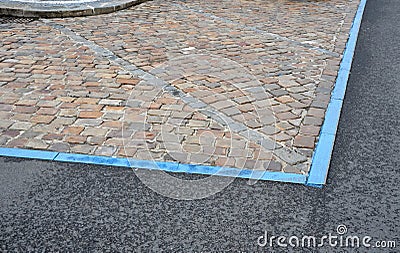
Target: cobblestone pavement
[{"x": 230, "y": 83}]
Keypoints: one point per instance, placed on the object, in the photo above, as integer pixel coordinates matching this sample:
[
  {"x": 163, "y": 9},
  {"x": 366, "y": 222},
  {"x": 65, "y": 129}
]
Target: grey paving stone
[
  {"x": 273, "y": 166},
  {"x": 290, "y": 156}
]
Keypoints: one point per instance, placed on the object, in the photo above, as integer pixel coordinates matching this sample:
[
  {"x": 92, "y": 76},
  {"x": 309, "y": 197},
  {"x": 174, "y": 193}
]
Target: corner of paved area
[{"x": 244, "y": 86}]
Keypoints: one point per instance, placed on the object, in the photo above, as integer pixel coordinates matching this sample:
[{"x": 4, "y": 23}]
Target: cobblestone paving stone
[{"x": 230, "y": 83}]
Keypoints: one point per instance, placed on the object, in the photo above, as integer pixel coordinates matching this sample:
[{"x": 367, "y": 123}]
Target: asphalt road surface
[{"x": 46, "y": 206}]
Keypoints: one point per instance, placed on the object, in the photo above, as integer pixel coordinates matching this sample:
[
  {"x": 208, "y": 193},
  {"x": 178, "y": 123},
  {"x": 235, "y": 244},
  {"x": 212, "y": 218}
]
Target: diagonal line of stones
[
  {"x": 283, "y": 153},
  {"x": 257, "y": 30}
]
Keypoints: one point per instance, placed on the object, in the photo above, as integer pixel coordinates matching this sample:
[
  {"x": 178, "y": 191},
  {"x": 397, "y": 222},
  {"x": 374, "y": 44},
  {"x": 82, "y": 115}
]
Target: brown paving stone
[
  {"x": 286, "y": 116},
  {"x": 75, "y": 139},
  {"x": 47, "y": 111},
  {"x": 309, "y": 130},
  {"x": 11, "y": 133},
  {"x": 285, "y": 99},
  {"x": 42, "y": 119},
  {"x": 126, "y": 152},
  {"x": 53, "y": 137},
  {"x": 17, "y": 143},
  {"x": 90, "y": 115},
  {"x": 68, "y": 112},
  {"x": 304, "y": 141},
  {"x": 95, "y": 140},
  {"x": 25, "y": 109}
]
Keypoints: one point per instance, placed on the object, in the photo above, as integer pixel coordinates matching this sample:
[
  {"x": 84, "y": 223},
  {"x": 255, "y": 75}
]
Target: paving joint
[{"x": 257, "y": 30}]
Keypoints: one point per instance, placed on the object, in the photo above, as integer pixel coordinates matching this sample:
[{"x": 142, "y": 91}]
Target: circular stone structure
[{"x": 62, "y": 8}]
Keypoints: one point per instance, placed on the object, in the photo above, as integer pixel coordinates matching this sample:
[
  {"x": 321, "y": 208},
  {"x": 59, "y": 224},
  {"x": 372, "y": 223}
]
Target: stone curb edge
[
  {"x": 85, "y": 10},
  {"x": 323, "y": 151}
]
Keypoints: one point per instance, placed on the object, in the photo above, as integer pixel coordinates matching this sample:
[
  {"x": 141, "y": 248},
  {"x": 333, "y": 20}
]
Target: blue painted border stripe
[
  {"x": 323, "y": 152},
  {"x": 91, "y": 159},
  {"x": 27, "y": 153},
  {"x": 332, "y": 117},
  {"x": 154, "y": 165}
]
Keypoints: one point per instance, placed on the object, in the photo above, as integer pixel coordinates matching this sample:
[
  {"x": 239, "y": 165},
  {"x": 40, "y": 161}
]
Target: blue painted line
[
  {"x": 154, "y": 165},
  {"x": 321, "y": 160},
  {"x": 323, "y": 152},
  {"x": 27, "y": 153},
  {"x": 243, "y": 173},
  {"x": 89, "y": 159},
  {"x": 341, "y": 83},
  {"x": 332, "y": 116},
  {"x": 274, "y": 176}
]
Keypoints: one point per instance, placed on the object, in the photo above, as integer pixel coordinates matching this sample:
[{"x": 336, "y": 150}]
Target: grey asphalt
[{"x": 47, "y": 207}]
